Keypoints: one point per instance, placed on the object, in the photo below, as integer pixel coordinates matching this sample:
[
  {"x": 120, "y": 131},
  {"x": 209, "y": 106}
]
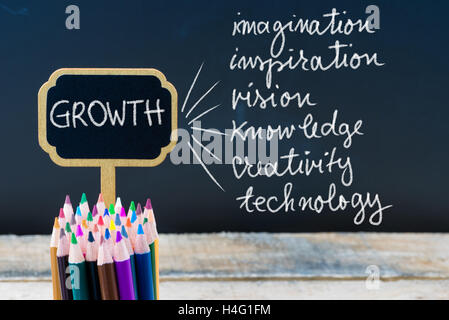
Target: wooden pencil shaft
[
  {"x": 66, "y": 292},
  {"x": 108, "y": 282},
  {"x": 153, "y": 269},
  {"x": 156, "y": 254},
  {"x": 55, "y": 274},
  {"x": 133, "y": 269},
  {"x": 93, "y": 282},
  {"x": 78, "y": 276},
  {"x": 144, "y": 276}
]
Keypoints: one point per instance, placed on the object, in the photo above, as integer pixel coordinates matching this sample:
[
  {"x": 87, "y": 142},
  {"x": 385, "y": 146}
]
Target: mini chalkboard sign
[{"x": 107, "y": 118}]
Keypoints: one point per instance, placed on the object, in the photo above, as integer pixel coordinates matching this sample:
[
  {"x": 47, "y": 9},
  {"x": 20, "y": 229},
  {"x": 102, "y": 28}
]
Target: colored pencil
[
  {"x": 131, "y": 258},
  {"x": 139, "y": 214},
  {"x": 109, "y": 256},
  {"x": 123, "y": 269},
  {"x": 122, "y": 217},
  {"x": 154, "y": 246},
  {"x": 118, "y": 220},
  {"x": 112, "y": 229},
  {"x": 136, "y": 219},
  {"x": 54, "y": 260},
  {"x": 130, "y": 228},
  {"x": 78, "y": 215},
  {"x": 151, "y": 242},
  {"x": 118, "y": 205},
  {"x": 100, "y": 225},
  {"x": 68, "y": 209},
  {"x": 90, "y": 220},
  {"x": 68, "y": 231},
  {"x": 106, "y": 273},
  {"x": 95, "y": 214},
  {"x": 100, "y": 204},
  {"x": 108, "y": 240},
  {"x": 111, "y": 211},
  {"x": 106, "y": 217},
  {"x": 80, "y": 238},
  {"x": 96, "y": 233},
  {"x": 132, "y": 207},
  {"x": 92, "y": 270},
  {"x": 63, "y": 262},
  {"x": 61, "y": 217},
  {"x": 156, "y": 265},
  {"x": 78, "y": 272},
  {"x": 84, "y": 206},
  {"x": 143, "y": 266}
]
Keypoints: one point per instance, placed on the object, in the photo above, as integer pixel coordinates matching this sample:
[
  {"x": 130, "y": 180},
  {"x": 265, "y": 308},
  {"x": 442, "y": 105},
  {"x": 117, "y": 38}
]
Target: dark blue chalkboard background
[{"x": 403, "y": 155}]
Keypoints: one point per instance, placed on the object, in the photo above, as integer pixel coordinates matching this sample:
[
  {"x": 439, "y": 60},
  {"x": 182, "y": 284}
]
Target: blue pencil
[{"x": 143, "y": 266}]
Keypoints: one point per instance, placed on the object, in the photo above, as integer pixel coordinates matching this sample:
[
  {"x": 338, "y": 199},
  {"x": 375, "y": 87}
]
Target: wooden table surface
[{"x": 264, "y": 266}]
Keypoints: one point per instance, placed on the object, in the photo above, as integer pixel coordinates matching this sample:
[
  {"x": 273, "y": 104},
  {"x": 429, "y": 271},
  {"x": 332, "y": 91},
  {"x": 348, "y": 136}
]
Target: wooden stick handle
[{"x": 108, "y": 184}]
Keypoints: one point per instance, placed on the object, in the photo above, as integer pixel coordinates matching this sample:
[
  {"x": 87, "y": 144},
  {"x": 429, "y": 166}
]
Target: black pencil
[
  {"x": 92, "y": 270},
  {"x": 62, "y": 256}
]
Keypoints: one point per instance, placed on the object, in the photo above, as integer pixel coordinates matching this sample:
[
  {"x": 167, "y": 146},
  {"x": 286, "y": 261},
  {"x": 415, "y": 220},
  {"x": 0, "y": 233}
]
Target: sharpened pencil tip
[
  {"x": 100, "y": 198},
  {"x": 112, "y": 225},
  {"x": 94, "y": 210},
  {"x": 56, "y": 223},
  {"x": 61, "y": 213},
  {"x": 83, "y": 198},
  {"x": 140, "y": 229},
  {"x": 91, "y": 237},
  {"x": 132, "y": 206},
  {"x": 122, "y": 212},
  {"x": 139, "y": 209},
  {"x": 67, "y": 200},
  {"x": 118, "y": 222},
  {"x": 148, "y": 205},
  {"x": 62, "y": 233},
  {"x": 100, "y": 221},
  {"x": 133, "y": 217},
  {"x": 74, "y": 239},
  {"x": 118, "y": 237},
  {"x": 124, "y": 233},
  {"x": 128, "y": 222},
  {"x": 111, "y": 209},
  {"x": 107, "y": 234},
  {"x": 78, "y": 211},
  {"x": 67, "y": 227},
  {"x": 79, "y": 231}
]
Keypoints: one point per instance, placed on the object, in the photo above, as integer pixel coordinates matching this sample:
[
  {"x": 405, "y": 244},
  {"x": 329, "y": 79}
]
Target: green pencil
[
  {"x": 78, "y": 271},
  {"x": 152, "y": 235},
  {"x": 153, "y": 268}
]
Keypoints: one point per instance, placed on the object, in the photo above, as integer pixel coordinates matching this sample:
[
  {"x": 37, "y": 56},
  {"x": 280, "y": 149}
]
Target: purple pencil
[{"x": 123, "y": 269}]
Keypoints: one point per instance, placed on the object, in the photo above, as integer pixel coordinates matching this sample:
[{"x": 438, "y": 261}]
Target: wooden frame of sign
[{"x": 107, "y": 165}]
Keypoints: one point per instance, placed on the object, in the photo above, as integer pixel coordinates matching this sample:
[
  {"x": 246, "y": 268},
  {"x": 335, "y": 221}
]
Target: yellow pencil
[
  {"x": 54, "y": 261},
  {"x": 156, "y": 253}
]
